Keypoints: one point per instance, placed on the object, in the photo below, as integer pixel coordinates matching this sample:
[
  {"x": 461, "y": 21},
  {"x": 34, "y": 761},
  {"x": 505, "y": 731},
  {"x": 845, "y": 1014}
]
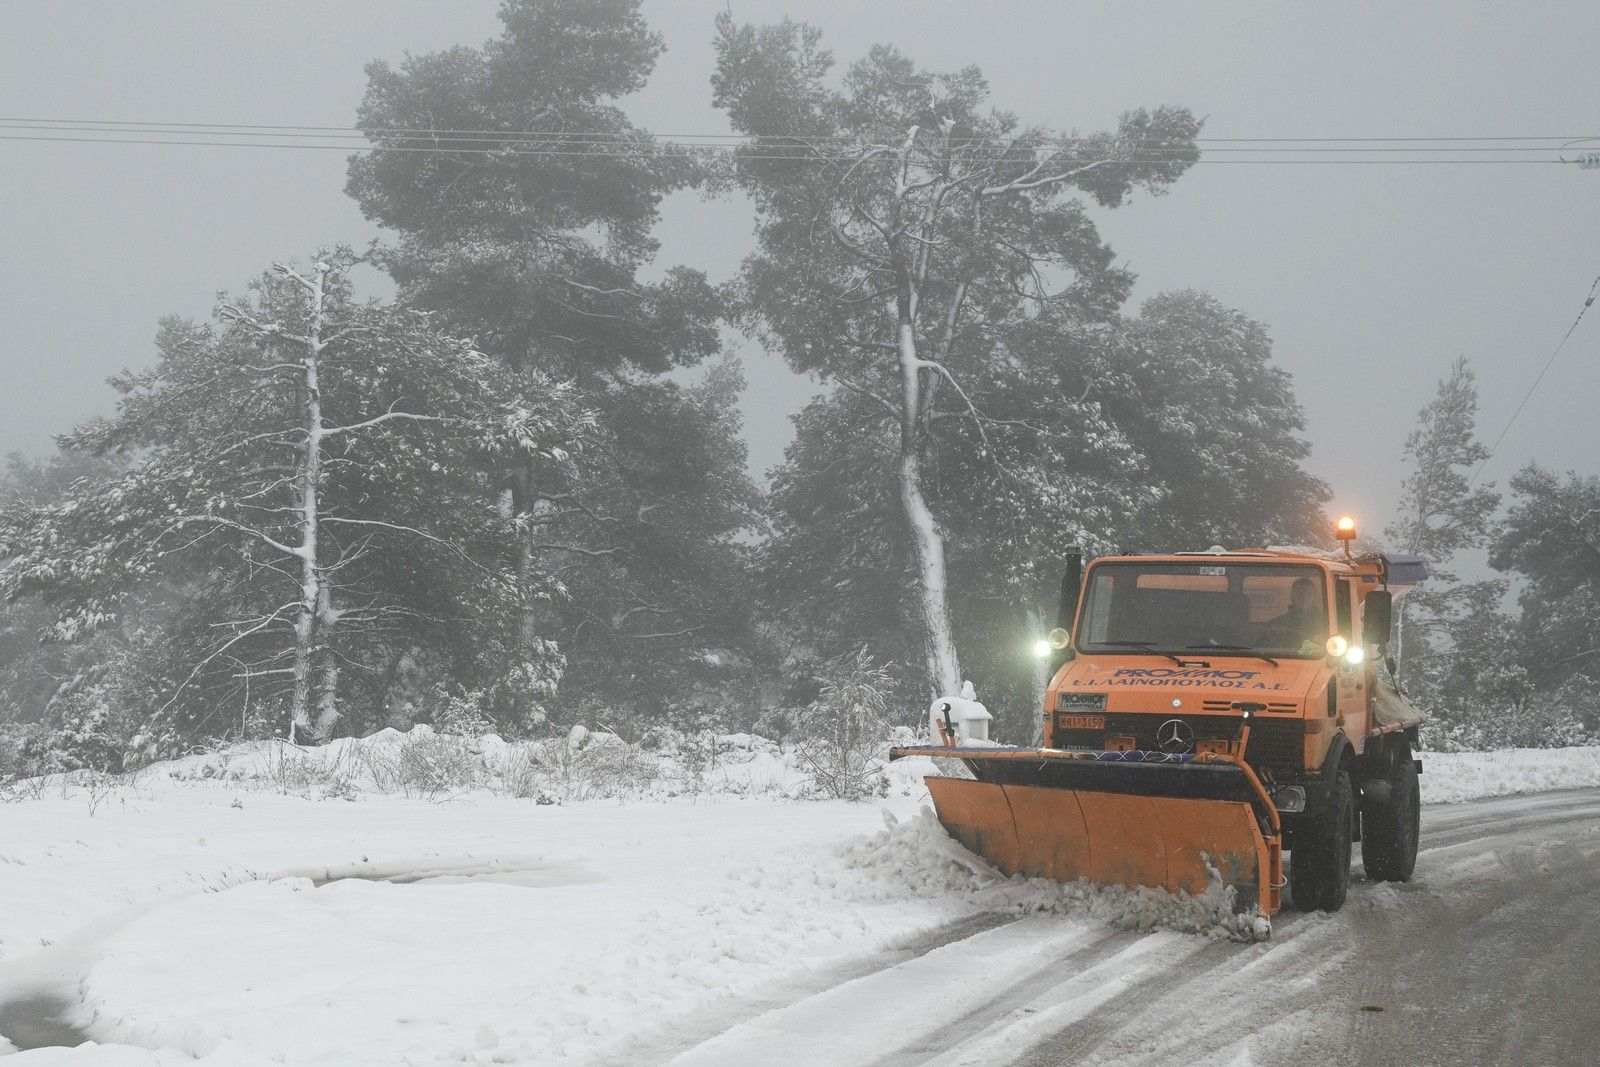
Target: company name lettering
[
  {"x": 1181, "y": 672},
  {"x": 1198, "y": 677}
]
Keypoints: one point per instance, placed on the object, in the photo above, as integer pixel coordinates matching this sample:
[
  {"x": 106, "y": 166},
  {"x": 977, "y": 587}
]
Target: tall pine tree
[
  {"x": 535, "y": 238},
  {"x": 903, "y": 228},
  {"x": 308, "y": 496},
  {"x": 1163, "y": 431},
  {"x": 1441, "y": 515}
]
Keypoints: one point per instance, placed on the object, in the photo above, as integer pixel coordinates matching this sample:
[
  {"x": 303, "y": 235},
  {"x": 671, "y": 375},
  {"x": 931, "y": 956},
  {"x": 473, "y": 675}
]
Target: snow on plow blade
[{"x": 1115, "y": 818}]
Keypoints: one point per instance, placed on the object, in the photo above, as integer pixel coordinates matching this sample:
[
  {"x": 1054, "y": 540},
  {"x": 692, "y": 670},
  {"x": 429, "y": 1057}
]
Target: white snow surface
[
  {"x": 198, "y": 912},
  {"x": 1451, "y": 777}
]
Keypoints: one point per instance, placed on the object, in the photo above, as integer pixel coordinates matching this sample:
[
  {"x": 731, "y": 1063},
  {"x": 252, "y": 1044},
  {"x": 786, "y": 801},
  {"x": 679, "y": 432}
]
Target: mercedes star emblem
[{"x": 1175, "y": 735}]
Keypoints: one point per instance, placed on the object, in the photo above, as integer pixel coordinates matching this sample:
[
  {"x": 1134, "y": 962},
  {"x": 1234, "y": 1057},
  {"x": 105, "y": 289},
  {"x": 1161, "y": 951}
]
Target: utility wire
[
  {"x": 626, "y": 150},
  {"x": 592, "y": 138},
  {"x": 1594, "y": 290},
  {"x": 221, "y": 127},
  {"x": 637, "y": 144}
]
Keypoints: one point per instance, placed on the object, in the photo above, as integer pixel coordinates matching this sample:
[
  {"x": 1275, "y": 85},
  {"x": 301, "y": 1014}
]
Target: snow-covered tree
[
  {"x": 1168, "y": 430},
  {"x": 308, "y": 487},
  {"x": 903, "y": 228},
  {"x": 542, "y": 250},
  {"x": 1441, "y": 515},
  {"x": 1551, "y": 537},
  {"x": 33, "y": 673},
  {"x": 1193, "y": 385}
]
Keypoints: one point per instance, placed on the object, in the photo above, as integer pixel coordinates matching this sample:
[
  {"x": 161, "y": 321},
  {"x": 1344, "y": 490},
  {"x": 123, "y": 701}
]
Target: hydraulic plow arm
[{"x": 1134, "y": 818}]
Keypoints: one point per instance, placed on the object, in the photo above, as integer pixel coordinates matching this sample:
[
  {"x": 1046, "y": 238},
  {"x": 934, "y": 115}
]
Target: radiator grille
[
  {"x": 1227, "y": 705},
  {"x": 1276, "y": 746}
]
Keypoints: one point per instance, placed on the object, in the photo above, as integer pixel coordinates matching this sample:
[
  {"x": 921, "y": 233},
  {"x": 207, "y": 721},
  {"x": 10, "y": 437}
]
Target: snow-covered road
[
  {"x": 1490, "y": 955},
  {"x": 186, "y": 920}
]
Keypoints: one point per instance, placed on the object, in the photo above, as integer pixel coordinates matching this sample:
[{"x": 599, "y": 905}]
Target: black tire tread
[
  {"x": 1319, "y": 866},
  {"x": 1389, "y": 830}
]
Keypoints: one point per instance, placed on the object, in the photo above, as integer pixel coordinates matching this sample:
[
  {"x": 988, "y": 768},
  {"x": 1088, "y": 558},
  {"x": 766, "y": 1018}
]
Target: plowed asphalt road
[{"x": 1490, "y": 955}]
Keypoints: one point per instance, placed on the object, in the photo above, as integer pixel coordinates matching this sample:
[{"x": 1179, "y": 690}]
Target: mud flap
[{"x": 1173, "y": 826}]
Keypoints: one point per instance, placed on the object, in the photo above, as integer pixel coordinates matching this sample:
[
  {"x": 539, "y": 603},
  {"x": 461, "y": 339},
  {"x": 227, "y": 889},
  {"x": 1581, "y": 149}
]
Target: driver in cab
[{"x": 1303, "y": 625}]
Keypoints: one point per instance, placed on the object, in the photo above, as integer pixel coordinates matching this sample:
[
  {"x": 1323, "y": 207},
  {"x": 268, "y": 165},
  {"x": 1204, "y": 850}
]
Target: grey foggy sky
[{"x": 1370, "y": 279}]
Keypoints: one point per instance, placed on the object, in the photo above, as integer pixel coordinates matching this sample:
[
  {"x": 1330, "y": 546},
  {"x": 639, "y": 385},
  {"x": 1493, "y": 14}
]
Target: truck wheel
[
  {"x": 1319, "y": 867},
  {"x": 1389, "y": 830}
]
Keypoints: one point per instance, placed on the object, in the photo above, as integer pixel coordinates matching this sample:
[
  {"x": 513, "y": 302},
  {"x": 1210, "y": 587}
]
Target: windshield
[{"x": 1270, "y": 609}]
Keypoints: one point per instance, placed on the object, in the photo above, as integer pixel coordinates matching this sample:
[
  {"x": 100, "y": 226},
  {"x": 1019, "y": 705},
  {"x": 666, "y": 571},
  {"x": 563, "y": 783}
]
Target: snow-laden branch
[
  {"x": 234, "y": 313},
  {"x": 265, "y": 621},
  {"x": 184, "y": 520},
  {"x": 903, "y": 185},
  {"x": 1022, "y": 184},
  {"x": 602, "y": 292},
  {"x": 576, "y": 549},
  {"x": 861, "y": 390},
  {"x": 425, "y": 535},
  {"x": 388, "y": 416}
]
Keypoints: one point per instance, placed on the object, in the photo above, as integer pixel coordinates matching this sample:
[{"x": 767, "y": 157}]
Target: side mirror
[
  {"x": 1071, "y": 589},
  {"x": 1377, "y": 617}
]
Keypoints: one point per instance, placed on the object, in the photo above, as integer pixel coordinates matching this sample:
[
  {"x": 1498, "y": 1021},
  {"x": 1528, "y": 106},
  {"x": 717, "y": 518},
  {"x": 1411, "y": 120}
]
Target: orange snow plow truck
[{"x": 1211, "y": 711}]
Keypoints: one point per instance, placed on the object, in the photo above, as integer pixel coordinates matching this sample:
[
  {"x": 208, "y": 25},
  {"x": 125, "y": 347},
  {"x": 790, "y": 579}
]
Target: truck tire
[
  {"x": 1389, "y": 830},
  {"x": 1319, "y": 866}
]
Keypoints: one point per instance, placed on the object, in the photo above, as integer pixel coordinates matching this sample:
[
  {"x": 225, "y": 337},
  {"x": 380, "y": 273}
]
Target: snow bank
[
  {"x": 582, "y": 765},
  {"x": 1451, "y": 777},
  {"x": 594, "y": 765}
]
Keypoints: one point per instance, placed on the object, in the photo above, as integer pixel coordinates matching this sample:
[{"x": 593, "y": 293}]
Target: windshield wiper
[
  {"x": 1152, "y": 649},
  {"x": 1234, "y": 648}
]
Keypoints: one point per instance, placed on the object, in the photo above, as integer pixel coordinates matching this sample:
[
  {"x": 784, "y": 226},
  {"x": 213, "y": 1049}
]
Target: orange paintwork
[
  {"x": 1174, "y": 842},
  {"x": 1141, "y": 683}
]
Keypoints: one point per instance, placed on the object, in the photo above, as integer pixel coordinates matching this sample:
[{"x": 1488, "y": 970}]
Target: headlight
[
  {"x": 1290, "y": 798},
  {"x": 1337, "y": 646},
  {"x": 1355, "y": 655},
  {"x": 1058, "y": 638},
  {"x": 1042, "y": 648}
]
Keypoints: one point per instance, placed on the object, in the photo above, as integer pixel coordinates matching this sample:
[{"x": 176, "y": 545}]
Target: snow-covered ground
[
  {"x": 1451, "y": 777},
  {"x": 202, "y": 913}
]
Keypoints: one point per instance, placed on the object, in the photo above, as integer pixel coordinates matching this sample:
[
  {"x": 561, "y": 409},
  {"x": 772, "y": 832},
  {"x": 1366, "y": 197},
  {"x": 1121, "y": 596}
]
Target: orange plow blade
[{"x": 1131, "y": 819}]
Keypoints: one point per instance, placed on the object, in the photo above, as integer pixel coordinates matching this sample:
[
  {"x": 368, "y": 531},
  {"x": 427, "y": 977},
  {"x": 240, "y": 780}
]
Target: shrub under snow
[{"x": 578, "y": 766}]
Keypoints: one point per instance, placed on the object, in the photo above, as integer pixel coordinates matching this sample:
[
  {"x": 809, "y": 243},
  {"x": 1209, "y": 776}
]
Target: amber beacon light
[{"x": 1345, "y": 530}]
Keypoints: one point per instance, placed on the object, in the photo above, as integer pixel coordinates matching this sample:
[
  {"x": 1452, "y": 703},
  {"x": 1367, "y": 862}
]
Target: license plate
[{"x": 1081, "y": 722}]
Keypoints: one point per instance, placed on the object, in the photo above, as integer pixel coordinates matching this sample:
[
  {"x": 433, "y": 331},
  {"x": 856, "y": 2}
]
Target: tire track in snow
[
  {"x": 895, "y": 1008},
  {"x": 701, "y": 1026},
  {"x": 1082, "y": 1036},
  {"x": 1506, "y": 815},
  {"x": 1010, "y": 1004}
]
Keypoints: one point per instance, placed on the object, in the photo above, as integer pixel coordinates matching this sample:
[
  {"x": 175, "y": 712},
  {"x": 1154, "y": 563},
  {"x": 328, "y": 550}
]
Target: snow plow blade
[{"x": 1174, "y": 822}]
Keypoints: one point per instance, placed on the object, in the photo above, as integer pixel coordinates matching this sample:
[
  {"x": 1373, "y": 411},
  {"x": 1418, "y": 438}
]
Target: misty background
[{"x": 1371, "y": 279}]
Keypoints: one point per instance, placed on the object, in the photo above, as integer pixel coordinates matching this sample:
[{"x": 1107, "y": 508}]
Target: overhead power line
[
  {"x": 542, "y": 139},
  {"x": 1594, "y": 290},
  {"x": 657, "y": 149},
  {"x": 1562, "y": 139},
  {"x": 1431, "y": 149}
]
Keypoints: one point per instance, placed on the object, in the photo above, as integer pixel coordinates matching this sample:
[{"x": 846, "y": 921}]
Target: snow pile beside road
[
  {"x": 1451, "y": 777},
  {"x": 917, "y": 859},
  {"x": 595, "y": 765},
  {"x": 581, "y": 765}
]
